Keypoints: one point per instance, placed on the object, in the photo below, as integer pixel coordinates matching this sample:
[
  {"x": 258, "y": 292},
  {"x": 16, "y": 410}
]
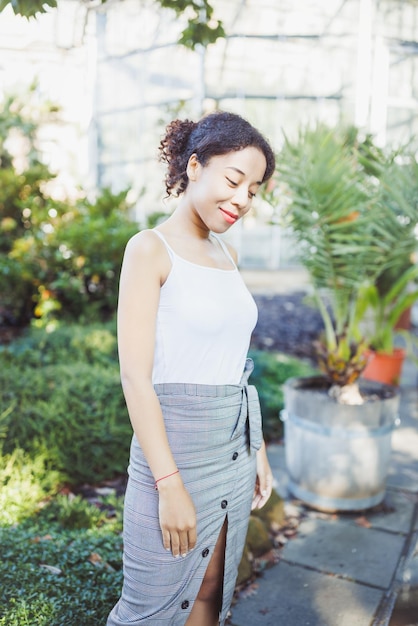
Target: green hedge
[
  {"x": 73, "y": 413},
  {"x": 94, "y": 344},
  {"x": 63, "y": 399}
]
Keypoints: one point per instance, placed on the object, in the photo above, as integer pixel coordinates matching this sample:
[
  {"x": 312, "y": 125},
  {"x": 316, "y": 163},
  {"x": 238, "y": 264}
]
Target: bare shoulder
[
  {"x": 147, "y": 248},
  {"x": 146, "y": 242}
]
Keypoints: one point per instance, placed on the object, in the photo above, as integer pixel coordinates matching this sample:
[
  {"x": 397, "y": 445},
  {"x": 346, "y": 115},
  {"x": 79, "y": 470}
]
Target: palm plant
[
  {"x": 332, "y": 213},
  {"x": 396, "y": 229}
]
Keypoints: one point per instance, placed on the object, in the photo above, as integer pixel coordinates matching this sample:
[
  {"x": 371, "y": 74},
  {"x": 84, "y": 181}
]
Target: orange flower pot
[
  {"x": 404, "y": 321},
  {"x": 384, "y": 367}
]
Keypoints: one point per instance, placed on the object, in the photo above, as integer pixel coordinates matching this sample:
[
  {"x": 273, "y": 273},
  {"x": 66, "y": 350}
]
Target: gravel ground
[{"x": 287, "y": 323}]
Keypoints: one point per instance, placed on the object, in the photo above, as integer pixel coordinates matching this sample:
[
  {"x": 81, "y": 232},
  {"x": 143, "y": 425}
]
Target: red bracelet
[{"x": 163, "y": 477}]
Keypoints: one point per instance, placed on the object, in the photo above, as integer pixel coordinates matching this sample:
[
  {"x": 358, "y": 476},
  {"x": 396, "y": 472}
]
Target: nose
[{"x": 241, "y": 197}]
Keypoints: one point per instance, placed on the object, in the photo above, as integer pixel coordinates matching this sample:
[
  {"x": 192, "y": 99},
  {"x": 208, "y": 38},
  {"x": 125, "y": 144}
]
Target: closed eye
[{"x": 251, "y": 195}]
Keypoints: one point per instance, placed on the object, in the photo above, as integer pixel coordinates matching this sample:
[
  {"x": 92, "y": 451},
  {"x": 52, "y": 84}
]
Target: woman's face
[{"x": 221, "y": 192}]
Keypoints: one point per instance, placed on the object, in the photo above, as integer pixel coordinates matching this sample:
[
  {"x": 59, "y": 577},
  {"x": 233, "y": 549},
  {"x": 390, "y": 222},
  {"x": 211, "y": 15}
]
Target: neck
[{"x": 186, "y": 223}]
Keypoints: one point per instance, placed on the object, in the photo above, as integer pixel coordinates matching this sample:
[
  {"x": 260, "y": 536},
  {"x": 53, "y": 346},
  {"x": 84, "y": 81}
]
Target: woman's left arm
[{"x": 264, "y": 481}]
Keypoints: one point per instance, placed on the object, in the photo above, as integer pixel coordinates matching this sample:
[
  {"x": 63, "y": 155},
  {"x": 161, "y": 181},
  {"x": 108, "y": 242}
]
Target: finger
[
  {"x": 175, "y": 544},
  {"x": 184, "y": 543},
  {"x": 256, "y": 498},
  {"x": 261, "y": 502},
  {"x": 256, "y": 494},
  {"x": 266, "y": 492},
  {"x": 166, "y": 539},
  {"x": 263, "y": 484},
  {"x": 266, "y": 485},
  {"x": 192, "y": 538}
]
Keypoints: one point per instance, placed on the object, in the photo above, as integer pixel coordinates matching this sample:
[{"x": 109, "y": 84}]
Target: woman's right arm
[{"x": 144, "y": 269}]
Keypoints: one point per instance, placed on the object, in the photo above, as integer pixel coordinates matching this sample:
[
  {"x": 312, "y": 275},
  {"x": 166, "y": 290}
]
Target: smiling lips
[{"x": 231, "y": 218}]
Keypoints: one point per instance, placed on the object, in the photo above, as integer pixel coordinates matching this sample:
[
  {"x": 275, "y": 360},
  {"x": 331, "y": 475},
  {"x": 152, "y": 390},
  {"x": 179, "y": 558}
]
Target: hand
[
  {"x": 264, "y": 481},
  {"x": 177, "y": 516}
]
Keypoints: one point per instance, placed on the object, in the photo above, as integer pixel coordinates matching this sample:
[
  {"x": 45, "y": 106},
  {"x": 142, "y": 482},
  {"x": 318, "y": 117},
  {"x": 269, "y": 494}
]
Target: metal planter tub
[{"x": 337, "y": 456}]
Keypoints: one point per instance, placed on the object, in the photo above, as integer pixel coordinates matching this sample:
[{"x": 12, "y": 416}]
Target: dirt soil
[{"x": 286, "y": 323}]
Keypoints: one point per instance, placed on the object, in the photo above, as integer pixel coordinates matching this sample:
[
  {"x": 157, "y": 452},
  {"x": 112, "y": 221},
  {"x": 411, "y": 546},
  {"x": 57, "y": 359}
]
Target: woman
[{"x": 198, "y": 463}]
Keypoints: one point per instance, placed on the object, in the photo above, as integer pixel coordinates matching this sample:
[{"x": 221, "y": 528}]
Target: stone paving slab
[
  {"x": 293, "y": 596},
  {"x": 339, "y": 547},
  {"x": 405, "y": 611},
  {"x": 408, "y": 407},
  {"x": 403, "y": 471},
  {"x": 397, "y": 513},
  {"x": 411, "y": 570}
]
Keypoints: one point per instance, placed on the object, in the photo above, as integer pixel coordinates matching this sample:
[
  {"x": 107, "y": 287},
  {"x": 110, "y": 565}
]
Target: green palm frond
[
  {"x": 353, "y": 210},
  {"x": 331, "y": 214}
]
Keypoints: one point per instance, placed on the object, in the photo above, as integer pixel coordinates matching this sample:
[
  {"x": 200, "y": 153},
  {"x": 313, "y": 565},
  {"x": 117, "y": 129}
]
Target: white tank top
[{"x": 204, "y": 323}]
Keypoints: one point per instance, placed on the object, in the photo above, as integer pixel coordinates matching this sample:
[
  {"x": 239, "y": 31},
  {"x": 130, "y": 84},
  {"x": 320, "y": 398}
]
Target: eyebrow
[{"x": 230, "y": 167}]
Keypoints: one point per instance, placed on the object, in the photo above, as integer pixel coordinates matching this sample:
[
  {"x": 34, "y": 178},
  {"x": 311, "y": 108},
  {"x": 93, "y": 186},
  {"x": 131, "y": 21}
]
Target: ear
[{"x": 193, "y": 167}]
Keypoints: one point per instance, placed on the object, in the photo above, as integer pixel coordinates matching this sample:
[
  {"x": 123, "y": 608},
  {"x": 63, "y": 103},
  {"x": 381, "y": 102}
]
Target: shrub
[
  {"x": 24, "y": 483},
  {"x": 87, "y": 247},
  {"x": 66, "y": 264},
  {"x": 94, "y": 344},
  {"x": 75, "y": 512},
  {"x": 74, "y": 414},
  {"x": 63, "y": 399},
  {"x": 52, "y": 576}
]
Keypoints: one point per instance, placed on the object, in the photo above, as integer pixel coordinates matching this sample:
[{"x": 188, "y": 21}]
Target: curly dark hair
[{"x": 215, "y": 134}]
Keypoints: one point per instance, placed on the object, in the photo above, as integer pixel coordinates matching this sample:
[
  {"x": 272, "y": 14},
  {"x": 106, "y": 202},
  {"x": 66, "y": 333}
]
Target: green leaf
[{"x": 28, "y": 8}]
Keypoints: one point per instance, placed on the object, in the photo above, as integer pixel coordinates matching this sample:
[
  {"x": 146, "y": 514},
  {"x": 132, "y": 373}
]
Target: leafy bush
[
  {"x": 75, "y": 512},
  {"x": 66, "y": 264},
  {"x": 84, "y": 255},
  {"x": 63, "y": 564},
  {"x": 73, "y": 413},
  {"x": 63, "y": 399},
  {"x": 24, "y": 483},
  {"x": 271, "y": 370},
  {"x": 94, "y": 344},
  {"x": 56, "y": 577}
]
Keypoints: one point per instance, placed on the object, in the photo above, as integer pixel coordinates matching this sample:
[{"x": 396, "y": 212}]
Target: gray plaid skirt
[{"x": 214, "y": 432}]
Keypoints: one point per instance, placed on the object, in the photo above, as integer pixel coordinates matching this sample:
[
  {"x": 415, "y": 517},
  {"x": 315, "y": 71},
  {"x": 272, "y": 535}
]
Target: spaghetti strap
[
  {"x": 225, "y": 249},
  {"x": 170, "y": 250}
]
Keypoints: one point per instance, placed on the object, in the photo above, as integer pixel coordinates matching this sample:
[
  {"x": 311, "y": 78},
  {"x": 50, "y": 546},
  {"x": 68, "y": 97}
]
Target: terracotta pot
[
  {"x": 404, "y": 321},
  {"x": 384, "y": 367}
]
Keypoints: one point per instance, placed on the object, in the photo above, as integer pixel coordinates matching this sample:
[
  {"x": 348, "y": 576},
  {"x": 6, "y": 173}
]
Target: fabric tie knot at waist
[{"x": 250, "y": 410}]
